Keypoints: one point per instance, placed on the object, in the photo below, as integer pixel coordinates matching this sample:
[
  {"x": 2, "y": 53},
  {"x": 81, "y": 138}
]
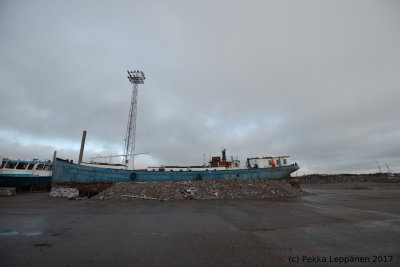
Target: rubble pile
[{"x": 201, "y": 190}]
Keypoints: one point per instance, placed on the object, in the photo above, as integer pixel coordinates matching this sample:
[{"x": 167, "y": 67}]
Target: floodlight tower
[{"x": 135, "y": 77}]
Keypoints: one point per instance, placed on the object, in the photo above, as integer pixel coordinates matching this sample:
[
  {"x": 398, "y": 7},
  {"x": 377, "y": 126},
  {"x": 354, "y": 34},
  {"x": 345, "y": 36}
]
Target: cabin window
[
  {"x": 50, "y": 168},
  {"x": 39, "y": 167},
  {"x": 284, "y": 161},
  {"x": 11, "y": 165},
  {"x": 21, "y": 166},
  {"x": 46, "y": 167},
  {"x": 31, "y": 165},
  {"x": 3, "y": 164},
  {"x": 269, "y": 162}
]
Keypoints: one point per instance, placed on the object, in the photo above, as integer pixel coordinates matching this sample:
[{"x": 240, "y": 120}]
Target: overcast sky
[{"x": 316, "y": 80}]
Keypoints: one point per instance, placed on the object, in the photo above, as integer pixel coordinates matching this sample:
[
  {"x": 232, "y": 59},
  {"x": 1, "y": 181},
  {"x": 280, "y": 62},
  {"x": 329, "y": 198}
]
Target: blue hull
[
  {"x": 64, "y": 172},
  {"x": 22, "y": 181}
]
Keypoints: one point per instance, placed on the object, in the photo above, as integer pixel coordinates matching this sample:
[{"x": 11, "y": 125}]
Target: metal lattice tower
[{"x": 135, "y": 77}]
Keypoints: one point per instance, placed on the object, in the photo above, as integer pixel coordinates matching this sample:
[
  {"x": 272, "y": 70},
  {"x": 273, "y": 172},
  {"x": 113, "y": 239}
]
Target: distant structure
[
  {"x": 379, "y": 167},
  {"x": 135, "y": 77},
  {"x": 388, "y": 167}
]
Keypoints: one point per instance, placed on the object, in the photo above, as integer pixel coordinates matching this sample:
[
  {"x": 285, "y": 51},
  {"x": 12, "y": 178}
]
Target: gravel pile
[{"x": 201, "y": 190}]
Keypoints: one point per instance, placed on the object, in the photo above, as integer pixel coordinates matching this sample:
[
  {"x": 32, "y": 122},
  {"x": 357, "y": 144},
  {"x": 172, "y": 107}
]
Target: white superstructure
[
  {"x": 25, "y": 168},
  {"x": 268, "y": 162}
]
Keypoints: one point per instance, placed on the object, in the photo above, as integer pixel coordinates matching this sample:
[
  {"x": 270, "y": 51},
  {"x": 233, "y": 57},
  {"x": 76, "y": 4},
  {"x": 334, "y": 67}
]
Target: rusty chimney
[{"x": 224, "y": 155}]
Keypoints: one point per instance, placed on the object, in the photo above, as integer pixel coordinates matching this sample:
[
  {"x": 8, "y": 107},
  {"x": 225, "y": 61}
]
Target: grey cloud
[{"x": 315, "y": 80}]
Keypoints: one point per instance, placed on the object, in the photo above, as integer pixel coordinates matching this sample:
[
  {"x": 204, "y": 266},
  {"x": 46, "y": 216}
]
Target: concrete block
[{"x": 8, "y": 191}]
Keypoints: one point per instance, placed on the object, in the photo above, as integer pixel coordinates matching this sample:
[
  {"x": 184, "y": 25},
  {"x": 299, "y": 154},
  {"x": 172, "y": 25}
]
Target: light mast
[{"x": 135, "y": 77}]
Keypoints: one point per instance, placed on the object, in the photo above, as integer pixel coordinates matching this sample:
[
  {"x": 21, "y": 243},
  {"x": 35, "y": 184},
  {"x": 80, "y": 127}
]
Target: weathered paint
[{"x": 64, "y": 172}]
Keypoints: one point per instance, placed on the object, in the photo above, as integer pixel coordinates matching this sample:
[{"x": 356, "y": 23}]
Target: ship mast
[{"x": 135, "y": 77}]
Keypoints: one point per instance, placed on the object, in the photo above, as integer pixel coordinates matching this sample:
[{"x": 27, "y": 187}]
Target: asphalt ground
[{"x": 331, "y": 227}]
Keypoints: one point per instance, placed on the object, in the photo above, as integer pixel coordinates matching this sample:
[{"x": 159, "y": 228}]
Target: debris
[
  {"x": 70, "y": 193},
  {"x": 84, "y": 189},
  {"x": 200, "y": 190}
]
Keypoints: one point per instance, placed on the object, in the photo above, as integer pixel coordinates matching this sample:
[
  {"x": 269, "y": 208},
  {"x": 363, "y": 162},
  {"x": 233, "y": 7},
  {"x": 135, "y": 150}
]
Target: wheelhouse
[{"x": 7, "y": 164}]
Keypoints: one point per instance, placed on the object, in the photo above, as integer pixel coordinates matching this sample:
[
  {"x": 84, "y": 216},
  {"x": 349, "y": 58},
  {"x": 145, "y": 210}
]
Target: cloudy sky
[{"x": 316, "y": 80}]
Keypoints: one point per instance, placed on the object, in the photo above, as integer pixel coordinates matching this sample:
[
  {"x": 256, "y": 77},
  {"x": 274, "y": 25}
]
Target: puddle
[
  {"x": 14, "y": 233},
  {"x": 32, "y": 234},
  {"x": 8, "y": 233},
  {"x": 42, "y": 245}
]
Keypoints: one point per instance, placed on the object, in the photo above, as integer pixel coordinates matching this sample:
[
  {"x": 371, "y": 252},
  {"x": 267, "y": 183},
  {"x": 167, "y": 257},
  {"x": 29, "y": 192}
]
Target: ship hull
[
  {"x": 25, "y": 173},
  {"x": 23, "y": 180},
  {"x": 65, "y": 172}
]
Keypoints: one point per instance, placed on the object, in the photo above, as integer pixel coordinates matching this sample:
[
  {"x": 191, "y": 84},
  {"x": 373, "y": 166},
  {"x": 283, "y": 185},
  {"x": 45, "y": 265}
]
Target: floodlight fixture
[{"x": 136, "y": 77}]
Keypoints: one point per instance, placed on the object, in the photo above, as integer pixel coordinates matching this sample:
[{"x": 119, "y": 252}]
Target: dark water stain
[{"x": 42, "y": 245}]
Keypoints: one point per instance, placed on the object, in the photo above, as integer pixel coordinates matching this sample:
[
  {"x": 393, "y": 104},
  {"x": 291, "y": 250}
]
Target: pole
[
  {"x": 82, "y": 147},
  {"x": 54, "y": 156}
]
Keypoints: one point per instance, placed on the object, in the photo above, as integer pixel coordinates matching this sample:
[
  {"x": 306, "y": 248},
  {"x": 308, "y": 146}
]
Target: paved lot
[{"x": 331, "y": 225}]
